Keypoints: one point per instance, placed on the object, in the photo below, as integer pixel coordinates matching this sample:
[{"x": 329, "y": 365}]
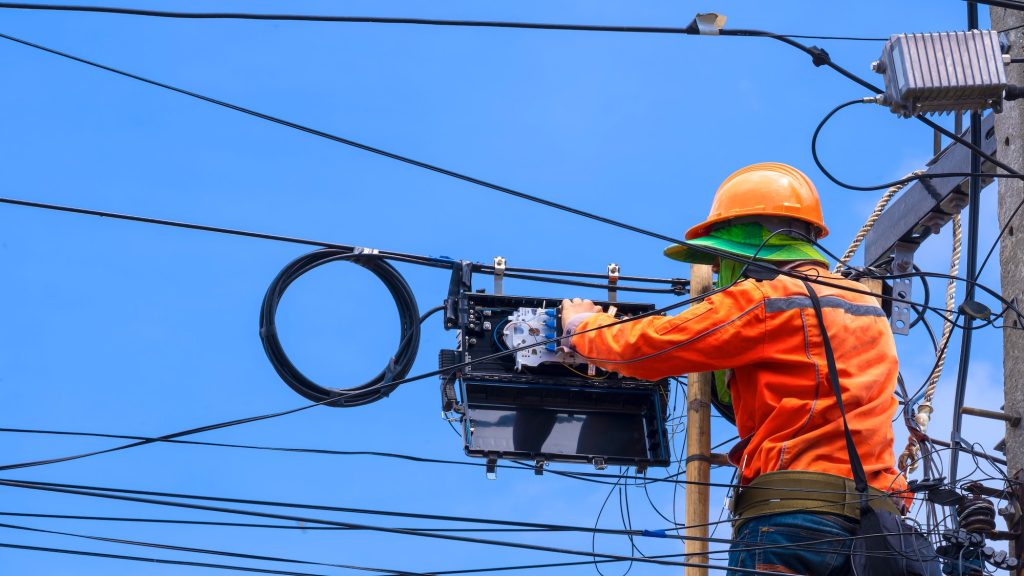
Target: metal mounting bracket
[
  {"x": 499, "y": 275},
  {"x": 709, "y": 23},
  {"x": 902, "y": 288},
  {"x": 613, "y": 282}
]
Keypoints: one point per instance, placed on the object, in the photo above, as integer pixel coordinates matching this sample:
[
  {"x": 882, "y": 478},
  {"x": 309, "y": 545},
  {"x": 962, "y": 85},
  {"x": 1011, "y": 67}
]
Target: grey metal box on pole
[{"x": 943, "y": 72}]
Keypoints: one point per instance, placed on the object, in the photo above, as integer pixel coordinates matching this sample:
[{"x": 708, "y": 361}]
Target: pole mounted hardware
[
  {"x": 921, "y": 211},
  {"x": 707, "y": 24},
  {"x": 1012, "y": 419},
  {"x": 499, "y": 274},
  {"x": 613, "y": 281},
  {"x": 943, "y": 72}
]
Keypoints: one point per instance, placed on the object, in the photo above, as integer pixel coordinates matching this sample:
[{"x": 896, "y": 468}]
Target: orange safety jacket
[{"x": 767, "y": 332}]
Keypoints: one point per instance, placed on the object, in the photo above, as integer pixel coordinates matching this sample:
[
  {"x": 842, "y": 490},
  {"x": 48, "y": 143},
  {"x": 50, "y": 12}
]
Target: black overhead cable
[
  {"x": 405, "y": 380},
  {"x": 214, "y": 523},
  {"x": 68, "y": 489},
  {"x": 386, "y": 20},
  {"x": 208, "y": 551},
  {"x": 368, "y": 148},
  {"x": 803, "y": 546},
  {"x": 216, "y": 426},
  {"x": 819, "y": 58},
  {"x": 527, "y": 273},
  {"x": 973, "y": 215},
  {"x": 363, "y": 511},
  {"x": 323, "y": 451},
  {"x": 386, "y": 513},
  {"x": 156, "y": 560},
  {"x": 452, "y": 537},
  {"x": 420, "y": 260},
  {"x": 354, "y": 144}
]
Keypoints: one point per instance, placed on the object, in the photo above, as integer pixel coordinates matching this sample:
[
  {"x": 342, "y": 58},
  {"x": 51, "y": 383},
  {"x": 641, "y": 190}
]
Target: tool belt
[{"x": 801, "y": 491}]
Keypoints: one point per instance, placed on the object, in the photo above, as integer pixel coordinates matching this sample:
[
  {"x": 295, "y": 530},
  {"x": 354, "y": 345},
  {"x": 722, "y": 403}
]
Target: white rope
[
  {"x": 910, "y": 457},
  {"x": 879, "y": 208}
]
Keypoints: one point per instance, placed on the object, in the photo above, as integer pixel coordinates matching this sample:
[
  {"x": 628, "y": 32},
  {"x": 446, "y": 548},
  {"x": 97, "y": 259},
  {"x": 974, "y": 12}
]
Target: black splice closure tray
[{"x": 549, "y": 412}]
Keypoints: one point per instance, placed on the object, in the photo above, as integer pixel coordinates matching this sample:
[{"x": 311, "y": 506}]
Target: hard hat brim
[
  {"x": 690, "y": 252},
  {"x": 704, "y": 228}
]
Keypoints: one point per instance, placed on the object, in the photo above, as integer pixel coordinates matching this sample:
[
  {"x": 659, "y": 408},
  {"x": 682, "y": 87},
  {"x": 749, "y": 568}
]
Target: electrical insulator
[{"x": 976, "y": 514}]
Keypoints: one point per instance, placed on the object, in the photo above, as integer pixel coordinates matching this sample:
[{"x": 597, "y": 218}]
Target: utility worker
[{"x": 762, "y": 339}]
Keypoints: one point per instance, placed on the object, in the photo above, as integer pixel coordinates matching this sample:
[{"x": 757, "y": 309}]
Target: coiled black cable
[{"x": 380, "y": 386}]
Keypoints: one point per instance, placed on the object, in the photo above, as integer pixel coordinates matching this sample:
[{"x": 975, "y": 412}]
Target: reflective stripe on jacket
[{"x": 767, "y": 332}]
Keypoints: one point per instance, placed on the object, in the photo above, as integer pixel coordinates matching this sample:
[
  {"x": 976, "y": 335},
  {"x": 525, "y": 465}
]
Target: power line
[
  {"x": 354, "y": 144},
  {"x": 751, "y": 262},
  {"x": 407, "y": 457},
  {"x": 819, "y": 58},
  {"x": 72, "y": 489},
  {"x": 445, "y": 263},
  {"x": 49, "y": 487},
  {"x": 388, "y": 513},
  {"x": 154, "y": 560},
  {"x": 386, "y": 20},
  {"x": 364, "y": 511},
  {"x": 209, "y": 551},
  {"x": 214, "y": 523}
]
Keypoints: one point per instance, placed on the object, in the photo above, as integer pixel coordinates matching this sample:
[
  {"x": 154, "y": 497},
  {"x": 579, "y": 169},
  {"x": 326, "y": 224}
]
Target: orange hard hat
[{"x": 765, "y": 189}]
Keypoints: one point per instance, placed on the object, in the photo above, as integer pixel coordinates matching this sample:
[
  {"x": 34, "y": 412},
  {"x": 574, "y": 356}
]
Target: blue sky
[{"x": 135, "y": 329}]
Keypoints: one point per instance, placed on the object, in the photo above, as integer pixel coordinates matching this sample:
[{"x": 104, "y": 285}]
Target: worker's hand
[{"x": 576, "y": 306}]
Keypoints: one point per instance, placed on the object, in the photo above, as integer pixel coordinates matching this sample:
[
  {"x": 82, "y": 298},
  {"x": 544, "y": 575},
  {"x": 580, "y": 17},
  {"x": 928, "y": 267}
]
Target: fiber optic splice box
[{"x": 541, "y": 403}]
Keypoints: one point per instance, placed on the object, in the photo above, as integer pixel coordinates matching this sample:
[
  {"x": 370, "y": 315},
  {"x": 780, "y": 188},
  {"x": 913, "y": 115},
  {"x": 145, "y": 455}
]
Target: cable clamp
[
  {"x": 708, "y": 23},
  {"x": 364, "y": 250}
]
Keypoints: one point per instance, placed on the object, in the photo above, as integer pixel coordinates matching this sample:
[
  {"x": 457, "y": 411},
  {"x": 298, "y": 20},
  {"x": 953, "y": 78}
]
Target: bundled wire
[{"x": 381, "y": 385}]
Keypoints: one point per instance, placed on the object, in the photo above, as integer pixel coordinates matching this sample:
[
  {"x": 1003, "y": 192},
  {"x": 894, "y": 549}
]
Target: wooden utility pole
[
  {"x": 1009, "y": 130},
  {"x": 698, "y": 445}
]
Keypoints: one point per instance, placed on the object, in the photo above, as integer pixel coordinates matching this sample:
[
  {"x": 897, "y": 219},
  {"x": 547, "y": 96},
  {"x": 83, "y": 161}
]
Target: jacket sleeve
[{"x": 726, "y": 330}]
